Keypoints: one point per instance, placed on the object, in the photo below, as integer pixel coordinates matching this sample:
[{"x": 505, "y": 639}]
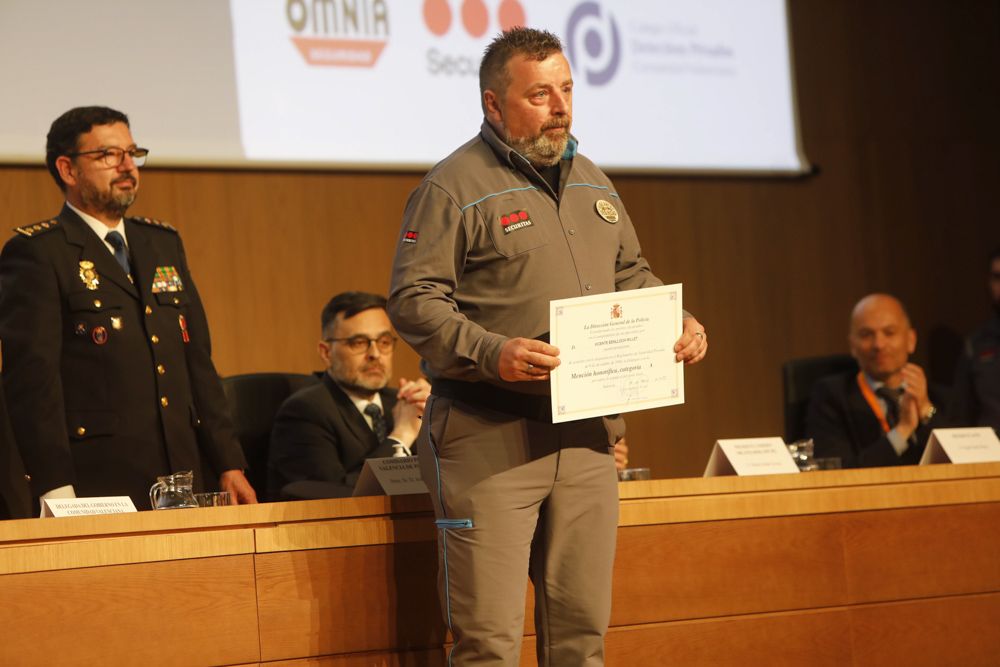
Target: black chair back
[
  {"x": 254, "y": 400},
  {"x": 799, "y": 376}
]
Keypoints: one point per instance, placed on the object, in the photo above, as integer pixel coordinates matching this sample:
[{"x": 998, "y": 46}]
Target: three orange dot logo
[{"x": 473, "y": 14}]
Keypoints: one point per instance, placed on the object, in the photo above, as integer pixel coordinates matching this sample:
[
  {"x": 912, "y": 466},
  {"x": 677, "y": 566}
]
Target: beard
[
  {"x": 359, "y": 381},
  {"x": 542, "y": 150},
  {"x": 113, "y": 202}
]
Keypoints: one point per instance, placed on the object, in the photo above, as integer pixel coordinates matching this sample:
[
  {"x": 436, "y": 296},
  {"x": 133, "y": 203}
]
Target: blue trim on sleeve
[
  {"x": 497, "y": 194},
  {"x": 596, "y": 187}
]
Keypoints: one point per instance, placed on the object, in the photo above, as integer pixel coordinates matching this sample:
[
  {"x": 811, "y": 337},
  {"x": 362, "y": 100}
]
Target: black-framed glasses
[
  {"x": 358, "y": 344},
  {"x": 114, "y": 156}
]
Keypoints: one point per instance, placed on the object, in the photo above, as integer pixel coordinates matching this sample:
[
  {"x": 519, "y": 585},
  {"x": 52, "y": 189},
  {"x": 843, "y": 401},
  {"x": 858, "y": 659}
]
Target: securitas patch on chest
[
  {"x": 410, "y": 236},
  {"x": 515, "y": 221}
]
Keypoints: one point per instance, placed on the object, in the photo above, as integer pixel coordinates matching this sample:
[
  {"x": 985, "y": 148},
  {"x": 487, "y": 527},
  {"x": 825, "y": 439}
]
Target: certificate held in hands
[{"x": 617, "y": 352}]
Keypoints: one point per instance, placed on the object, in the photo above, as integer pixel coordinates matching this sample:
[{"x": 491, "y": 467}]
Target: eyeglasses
[
  {"x": 358, "y": 344},
  {"x": 114, "y": 156}
]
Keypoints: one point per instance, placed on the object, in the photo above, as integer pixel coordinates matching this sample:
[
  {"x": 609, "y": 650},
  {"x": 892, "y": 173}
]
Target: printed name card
[
  {"x": 86, "y": 506},
  {"x": 750, "y": 456},
  {"x": 962, "y": 445},
  {"x": 390, "y": 476}
]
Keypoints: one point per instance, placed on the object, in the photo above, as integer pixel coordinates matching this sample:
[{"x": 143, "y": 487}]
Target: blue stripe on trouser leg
[{"x": 444, "y": 523}]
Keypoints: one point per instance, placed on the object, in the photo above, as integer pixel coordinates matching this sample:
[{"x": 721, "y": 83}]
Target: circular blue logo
[{"x": 593, "y": 43}]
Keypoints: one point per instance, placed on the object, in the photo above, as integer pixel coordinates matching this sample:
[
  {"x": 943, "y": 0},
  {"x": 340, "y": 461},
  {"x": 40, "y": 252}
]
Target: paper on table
[
  {"x": 617, "y": 352},
  {"x": 977, "y": 444},
  {"x": 60, "y": 507},
  {"x": 390, "y": 476}
]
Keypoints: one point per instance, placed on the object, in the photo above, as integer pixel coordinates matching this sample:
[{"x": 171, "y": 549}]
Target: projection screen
[{"x": 659, "y": 85}]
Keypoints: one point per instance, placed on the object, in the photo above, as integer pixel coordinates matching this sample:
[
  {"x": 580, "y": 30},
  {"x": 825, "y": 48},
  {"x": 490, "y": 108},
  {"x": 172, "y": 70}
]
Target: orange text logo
[
  {"x": 474, "y": 15},
  {"x": 339, "y": 33}
]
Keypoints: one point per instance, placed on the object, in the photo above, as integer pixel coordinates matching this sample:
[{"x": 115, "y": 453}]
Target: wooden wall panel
[
  {"x": 925, "y": 552},
  {"x": 673, "y": 571},
  {"x": 191, "y": 612},
  {"x": 959, "y": 631},
  {"x": 898, "y": 101},
  {"x": 776, "y": 640},
  {"x": 931, "y": 633},
  {"x": 430, "y": 658},
  {"x": 348, "y": 600}
]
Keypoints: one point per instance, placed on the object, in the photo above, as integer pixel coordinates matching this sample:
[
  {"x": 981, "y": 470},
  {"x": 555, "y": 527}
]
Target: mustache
[
  {"x": 556, "y": 123},
  {"x": 124, "y": 179}
]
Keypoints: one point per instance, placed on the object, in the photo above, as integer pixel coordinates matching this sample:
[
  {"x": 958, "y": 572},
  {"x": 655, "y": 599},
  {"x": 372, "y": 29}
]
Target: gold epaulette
[
  {"x": 155, "y": 223},
  {"x": 37, "y": 228}
]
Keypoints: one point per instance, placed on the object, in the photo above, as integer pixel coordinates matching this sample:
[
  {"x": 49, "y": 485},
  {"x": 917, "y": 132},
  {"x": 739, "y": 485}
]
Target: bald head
[
  {"x": 885, "y": 304},
  {"x": 880, "y": 337}
]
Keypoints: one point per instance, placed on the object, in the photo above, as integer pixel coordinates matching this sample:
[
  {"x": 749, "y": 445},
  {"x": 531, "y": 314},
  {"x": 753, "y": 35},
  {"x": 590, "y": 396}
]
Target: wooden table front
[{"x": 855, "y": 567}]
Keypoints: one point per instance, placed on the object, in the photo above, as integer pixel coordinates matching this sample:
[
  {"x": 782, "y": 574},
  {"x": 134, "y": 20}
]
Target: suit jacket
[
  {"x": 842, "y": 424},
  {"x": 109, "y": 383},
  {"x": 15, "y": 499},
  {"x": 319, "y": 435},
  {"x": 976, "y": 399}
]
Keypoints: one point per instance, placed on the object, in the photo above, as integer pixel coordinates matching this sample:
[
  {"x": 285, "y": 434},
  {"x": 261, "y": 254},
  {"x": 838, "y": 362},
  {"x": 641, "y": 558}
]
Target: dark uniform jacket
[
  {"x": 15, "y": 499},
  {"x": 842, "y": 425},
  {"x": 109, "y": 383},
  {"x": 977, "y": 379},
  {"x": 320, "y": 435}
]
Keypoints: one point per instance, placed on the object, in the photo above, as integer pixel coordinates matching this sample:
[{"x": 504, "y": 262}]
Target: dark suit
[
  {"x": 842, "y": 424},
  {"x": 15, "y": 499},
  {"x": 109, "y": 383},
  {"x": 320, "y": 435}
]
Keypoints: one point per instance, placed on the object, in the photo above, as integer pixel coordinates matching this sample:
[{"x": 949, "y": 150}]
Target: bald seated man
[{"x": 883, "y": 414}]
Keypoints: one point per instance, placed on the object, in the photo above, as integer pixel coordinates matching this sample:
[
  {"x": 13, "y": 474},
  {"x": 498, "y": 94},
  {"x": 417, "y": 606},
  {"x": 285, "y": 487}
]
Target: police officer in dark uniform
[
  {"x": 15, "y": 501},
  {"x": 106, "y": 352}
]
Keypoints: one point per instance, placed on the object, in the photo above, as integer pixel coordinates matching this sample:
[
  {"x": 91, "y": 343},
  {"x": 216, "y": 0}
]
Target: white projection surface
[{"x": 659, "y": 85}]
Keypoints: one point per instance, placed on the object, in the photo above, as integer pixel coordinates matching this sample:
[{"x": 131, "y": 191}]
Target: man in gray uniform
[{"x": 508, "y": 222}]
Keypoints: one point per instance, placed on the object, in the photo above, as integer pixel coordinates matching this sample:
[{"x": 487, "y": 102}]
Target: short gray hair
[{"x": 528, "y": 42}]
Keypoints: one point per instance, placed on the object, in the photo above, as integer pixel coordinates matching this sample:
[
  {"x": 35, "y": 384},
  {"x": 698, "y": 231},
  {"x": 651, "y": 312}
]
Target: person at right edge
[
  {"x": 511, "y": 220},
  {"x": 976, "y": 401}
]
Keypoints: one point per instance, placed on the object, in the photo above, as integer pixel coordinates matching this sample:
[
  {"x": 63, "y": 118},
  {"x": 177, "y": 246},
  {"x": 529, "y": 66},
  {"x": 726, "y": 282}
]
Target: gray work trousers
[{"x": 516, "y": 498}]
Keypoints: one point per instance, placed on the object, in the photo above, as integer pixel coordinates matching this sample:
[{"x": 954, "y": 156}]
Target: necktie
[
  {"x": 121, "y": 252},
  {"x": 378, "y": 421},
  {"x": 891, "y": 398}
]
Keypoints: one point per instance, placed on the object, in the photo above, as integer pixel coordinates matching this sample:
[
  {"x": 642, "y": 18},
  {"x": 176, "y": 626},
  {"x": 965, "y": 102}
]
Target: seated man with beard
[{"x": 322, "y": 434}]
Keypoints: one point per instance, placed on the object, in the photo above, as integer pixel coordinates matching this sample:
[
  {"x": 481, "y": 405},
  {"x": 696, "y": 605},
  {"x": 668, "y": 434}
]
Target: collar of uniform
[
  {"x": 511, "y": 157},
  {"x": 571, "y": 146},
  {"x": 99, "y": 227}
]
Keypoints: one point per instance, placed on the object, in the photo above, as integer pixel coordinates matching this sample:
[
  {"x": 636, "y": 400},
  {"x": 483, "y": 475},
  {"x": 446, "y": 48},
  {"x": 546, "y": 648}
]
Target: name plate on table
[
  {"x": 617, "y": 352},
  {"x": 750, "y": 456},
  {"x": 86, "y": 506},
  {"x": 962, "y": 445},
  {"x": 390, "y": 476}
]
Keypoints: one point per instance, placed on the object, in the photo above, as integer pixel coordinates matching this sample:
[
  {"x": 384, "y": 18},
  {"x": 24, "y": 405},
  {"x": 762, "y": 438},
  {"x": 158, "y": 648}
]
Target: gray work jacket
[{"x": 486, "y": 244}]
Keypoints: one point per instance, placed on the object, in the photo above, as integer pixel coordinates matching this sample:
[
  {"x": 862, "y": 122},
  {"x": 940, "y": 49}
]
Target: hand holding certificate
[{"x": 617, "y": 352}]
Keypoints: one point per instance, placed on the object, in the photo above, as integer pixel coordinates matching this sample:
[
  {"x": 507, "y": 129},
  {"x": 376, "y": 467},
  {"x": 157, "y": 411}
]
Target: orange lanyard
[{"x": 869, "y": 395}]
